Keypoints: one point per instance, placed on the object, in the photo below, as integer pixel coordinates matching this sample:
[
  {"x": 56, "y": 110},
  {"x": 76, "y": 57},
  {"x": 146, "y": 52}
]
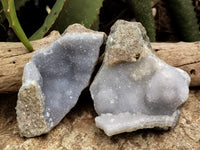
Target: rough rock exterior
[
  {"x": 125, "y": 43},
  {"x": 133, "y": 95},
  {"x": 54, "y": 79}
]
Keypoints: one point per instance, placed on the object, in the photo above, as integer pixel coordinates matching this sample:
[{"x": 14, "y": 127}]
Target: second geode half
[
  {"x": 54, "y": 79},
  {"x": 134, "y": 89}
]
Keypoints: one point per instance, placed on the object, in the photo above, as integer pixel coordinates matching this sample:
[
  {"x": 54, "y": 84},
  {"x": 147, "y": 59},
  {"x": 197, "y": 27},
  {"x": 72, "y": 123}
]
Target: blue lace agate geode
[
  {"x": 54, "y": 79},
  {"x": 134, "y": 89}
]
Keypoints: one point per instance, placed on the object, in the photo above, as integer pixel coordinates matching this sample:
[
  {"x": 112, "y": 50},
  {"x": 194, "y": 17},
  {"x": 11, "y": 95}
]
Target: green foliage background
[{"x": 86, "y": 12}]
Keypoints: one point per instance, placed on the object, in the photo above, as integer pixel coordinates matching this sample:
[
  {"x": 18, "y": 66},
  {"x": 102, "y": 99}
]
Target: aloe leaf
[
  {"x": 95, "y": 25},
  {"x": 10, "y": 13},
  {"x": 84, "y": 12},
  {"x": 49, "y": 21}
]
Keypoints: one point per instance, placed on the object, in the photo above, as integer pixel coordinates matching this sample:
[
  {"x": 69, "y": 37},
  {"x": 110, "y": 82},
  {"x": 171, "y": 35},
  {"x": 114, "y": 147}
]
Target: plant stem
[{"x": 10, "y": 13}]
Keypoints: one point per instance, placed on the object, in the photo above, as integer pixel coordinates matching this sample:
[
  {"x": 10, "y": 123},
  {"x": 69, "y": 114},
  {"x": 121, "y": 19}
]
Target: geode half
[
  {"x": 134, "y": 89},
  {"x": 54, "y": 79}
]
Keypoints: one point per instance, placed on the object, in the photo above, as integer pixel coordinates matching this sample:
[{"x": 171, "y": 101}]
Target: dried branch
[{"x": 14, "y": 56}]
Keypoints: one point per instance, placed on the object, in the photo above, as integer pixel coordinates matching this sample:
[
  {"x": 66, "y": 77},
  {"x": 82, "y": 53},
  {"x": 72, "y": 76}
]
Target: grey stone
[
  {"x": 140, "y": 94},
  {"x": 54, "y": 79},
  {"x": 125, "y": 43}
]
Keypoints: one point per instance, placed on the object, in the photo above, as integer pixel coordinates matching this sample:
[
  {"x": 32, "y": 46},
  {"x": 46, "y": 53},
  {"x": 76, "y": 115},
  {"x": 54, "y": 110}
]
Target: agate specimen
[
  {"x": 134, "y": 89},
  {"x": 54, "y": 79}
]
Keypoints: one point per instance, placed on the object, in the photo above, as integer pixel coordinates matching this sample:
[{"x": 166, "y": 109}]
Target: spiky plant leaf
[
  {"x": 78, "y": 11},
  {"x": 49, "y": 20},
  {"x": 184, "y": 16}
]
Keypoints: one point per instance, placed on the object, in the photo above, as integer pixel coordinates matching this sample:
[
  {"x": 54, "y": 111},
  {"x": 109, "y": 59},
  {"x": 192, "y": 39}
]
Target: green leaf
[
  {"x": 95, "y": 25},
  {"x": 10, "y": 12},
  {"x": 49, "y": 20},
  {"x": 78, "y": 11},
  {"x": 184, "y": 16}
]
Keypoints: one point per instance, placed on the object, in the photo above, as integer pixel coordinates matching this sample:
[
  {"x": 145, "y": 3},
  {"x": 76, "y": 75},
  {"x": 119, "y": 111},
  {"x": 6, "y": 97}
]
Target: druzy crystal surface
[
  {"x": 54, "y": 79},
  {"x": 134, "y": 89}
]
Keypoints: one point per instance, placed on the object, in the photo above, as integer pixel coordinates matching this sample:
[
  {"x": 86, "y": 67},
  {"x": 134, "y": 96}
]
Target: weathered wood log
[
  {"x": 182, "y": 55},
  {"x": 13, "y": 57}
]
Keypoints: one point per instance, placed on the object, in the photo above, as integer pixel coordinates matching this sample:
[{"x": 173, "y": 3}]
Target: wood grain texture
[
  {"x": 182, "y": 55},
  {"x": 13, "y": 57}
]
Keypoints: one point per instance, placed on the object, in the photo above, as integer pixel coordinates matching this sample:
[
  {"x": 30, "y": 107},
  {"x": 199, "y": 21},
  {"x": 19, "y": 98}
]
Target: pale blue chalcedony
[
  {"x": 54, "y": 79},
  {"x": 139, "y": 94}
]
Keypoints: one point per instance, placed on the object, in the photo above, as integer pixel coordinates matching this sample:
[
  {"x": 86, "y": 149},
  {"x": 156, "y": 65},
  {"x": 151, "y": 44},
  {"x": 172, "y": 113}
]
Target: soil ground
[{"x": 77, "y": 131}]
